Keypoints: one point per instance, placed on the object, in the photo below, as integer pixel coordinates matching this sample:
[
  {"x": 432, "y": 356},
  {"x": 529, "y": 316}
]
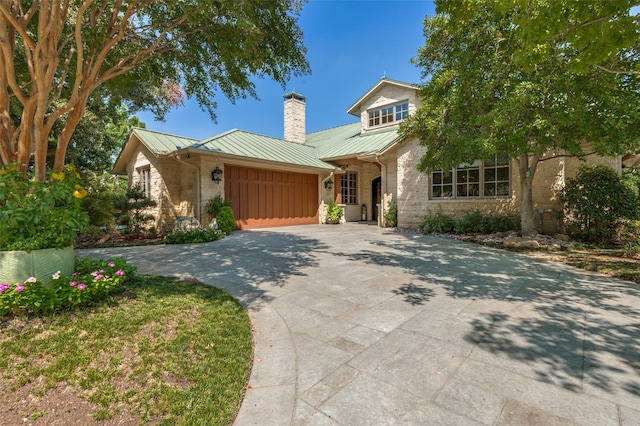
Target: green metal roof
[
  {"x": 251, "y": 145},
  {"x": 344, "y": 141},
  {"x": 320, "y": 147},
  {"x": 162, "y": 142}
]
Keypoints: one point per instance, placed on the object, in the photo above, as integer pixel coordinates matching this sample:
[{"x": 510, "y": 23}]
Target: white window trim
[
  {"x": 379, "y": 114},
  {"x": 481, "y": 184}
]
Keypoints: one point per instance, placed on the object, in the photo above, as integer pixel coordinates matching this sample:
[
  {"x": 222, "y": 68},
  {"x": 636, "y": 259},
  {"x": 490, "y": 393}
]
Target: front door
[{"x": 376, "y": 197}]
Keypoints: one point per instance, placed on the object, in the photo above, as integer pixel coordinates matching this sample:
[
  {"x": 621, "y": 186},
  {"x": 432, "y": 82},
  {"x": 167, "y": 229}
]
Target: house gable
[
  {"x": 384, "y": 105},
  {"x": 155, "y": 142}
]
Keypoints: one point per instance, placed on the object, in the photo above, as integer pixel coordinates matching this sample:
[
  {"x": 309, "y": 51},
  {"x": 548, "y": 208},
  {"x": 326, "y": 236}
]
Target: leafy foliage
[
  {"x": 595, "y": 201},
  {"x": 391, "y": 215},
  {"x": 215, "y": 204},
  {"x": 589, "y": 33},
  {"x": 438, "y": 223},
  {"x": 132, "y": 209},
  {"x": 93, "y": 280},
  {"x": 193, "y": 236},
  {"x": 479, "y": 101},
  {"x": 631, "y": 178},
  {"x": 102, "y": 190},
  {"x": 476, "y": 221},
  {"x": 334, "y": 212},
  {"x": 226, "y": 220},
  {"x": 99, "y": 136},
  {"x": 148, "y": 54},
  {"x": 472, "y": 221},
  {"x": 39, "y": 215}
]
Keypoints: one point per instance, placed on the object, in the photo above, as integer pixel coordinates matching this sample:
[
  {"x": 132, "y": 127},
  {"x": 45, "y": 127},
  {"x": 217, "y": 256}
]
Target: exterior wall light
[
  {"x": 216, "y": 175},
  {"x": 328, "y": 185}
]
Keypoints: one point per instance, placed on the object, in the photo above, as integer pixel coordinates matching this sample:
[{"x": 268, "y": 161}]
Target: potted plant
[
  {"x": 39, "y": 222},
  {"x": 334, "y": 213}
]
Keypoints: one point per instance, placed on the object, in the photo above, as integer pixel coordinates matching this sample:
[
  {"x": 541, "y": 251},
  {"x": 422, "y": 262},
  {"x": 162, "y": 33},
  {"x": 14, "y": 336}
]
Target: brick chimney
[{"x": 294, "y": 117}]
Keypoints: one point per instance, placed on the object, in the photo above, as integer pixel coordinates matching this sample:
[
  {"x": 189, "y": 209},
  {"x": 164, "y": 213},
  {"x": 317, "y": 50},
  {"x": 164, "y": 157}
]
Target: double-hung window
[
  {"x": 480, "y": 179},
  {"x": 349, "y": 188}
]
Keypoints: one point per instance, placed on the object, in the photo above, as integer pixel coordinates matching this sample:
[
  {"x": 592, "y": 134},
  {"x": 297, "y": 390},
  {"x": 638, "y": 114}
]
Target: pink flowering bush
[{"x": 93, "y": 280}]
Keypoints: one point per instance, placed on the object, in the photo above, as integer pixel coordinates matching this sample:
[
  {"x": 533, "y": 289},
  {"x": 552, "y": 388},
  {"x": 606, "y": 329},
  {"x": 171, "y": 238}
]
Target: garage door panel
[{"x": 262, "y": 198}]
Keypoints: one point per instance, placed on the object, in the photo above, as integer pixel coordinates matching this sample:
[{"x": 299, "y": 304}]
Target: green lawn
[{"x": 163, "y": 351}]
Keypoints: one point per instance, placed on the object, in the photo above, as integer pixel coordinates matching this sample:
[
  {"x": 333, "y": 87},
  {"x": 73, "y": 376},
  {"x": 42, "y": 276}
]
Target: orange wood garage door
[{"x": 262, "y": 198}]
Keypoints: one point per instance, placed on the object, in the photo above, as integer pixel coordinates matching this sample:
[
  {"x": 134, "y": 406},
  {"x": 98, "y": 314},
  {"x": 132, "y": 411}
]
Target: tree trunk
[
  {"x": 527, "y": 170},
  {"x": 64, "y": 137},
  {"x": 25, "y": 137}
]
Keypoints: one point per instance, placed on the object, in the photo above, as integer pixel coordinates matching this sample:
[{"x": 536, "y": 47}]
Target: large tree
[
  {"x": 478, "y": 100},
  {"x": 596, "y": 33},
  {"x": 55, "y": 53},
  {"x": 98, "y": 137}
]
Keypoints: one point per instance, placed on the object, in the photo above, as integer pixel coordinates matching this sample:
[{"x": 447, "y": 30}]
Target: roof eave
[
  {"x": 120, "y": 166},
  {"x": 354, "y": 109}
]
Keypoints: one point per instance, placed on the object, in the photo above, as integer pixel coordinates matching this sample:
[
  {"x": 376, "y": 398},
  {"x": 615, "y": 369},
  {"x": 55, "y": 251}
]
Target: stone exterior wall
[
  {"x": 208, "y": 188},
  {"x": 412, "y": 189},
  {"x": 169, "y": 199},
  {"x": 173, "y": 186},
  {"x": 143, "y": 159},
  {"x": 389, "y": 181},
  {"x": 412, "y": 192}
]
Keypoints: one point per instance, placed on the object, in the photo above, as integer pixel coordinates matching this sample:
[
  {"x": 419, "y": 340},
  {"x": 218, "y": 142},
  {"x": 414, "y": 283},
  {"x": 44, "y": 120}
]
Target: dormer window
[
  {"x": 374, "y": 118},
  {"x": 388, "y": 114}
]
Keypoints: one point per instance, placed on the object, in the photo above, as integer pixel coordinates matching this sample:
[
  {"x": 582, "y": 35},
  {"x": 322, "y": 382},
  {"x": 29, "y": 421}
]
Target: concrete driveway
[{"x": 356, "y": 325}]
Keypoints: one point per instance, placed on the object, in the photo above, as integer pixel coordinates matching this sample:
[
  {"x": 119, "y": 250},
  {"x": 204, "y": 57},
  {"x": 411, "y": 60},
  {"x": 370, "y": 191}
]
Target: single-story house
[{"x": 362, "y": 166}]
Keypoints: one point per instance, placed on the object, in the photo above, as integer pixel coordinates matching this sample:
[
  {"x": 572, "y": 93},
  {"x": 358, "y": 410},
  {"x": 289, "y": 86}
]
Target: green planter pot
[{"x": 18, "y": 266}]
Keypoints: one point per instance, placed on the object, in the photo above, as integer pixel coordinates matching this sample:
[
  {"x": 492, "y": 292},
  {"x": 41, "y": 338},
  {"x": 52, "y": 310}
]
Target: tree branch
[
  {"x": 565, "y": 156},
  {"x": 617, "y": 72},
  {"x": 17, "y": 25}
]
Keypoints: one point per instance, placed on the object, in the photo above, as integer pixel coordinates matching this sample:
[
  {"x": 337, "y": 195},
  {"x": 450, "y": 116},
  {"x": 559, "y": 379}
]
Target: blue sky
[{"x": 350, "y": 46}]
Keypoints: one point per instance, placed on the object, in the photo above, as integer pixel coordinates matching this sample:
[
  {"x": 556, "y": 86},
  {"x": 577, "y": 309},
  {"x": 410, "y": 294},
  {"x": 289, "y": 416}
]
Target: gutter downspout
[{"x": 176, "y": 156}]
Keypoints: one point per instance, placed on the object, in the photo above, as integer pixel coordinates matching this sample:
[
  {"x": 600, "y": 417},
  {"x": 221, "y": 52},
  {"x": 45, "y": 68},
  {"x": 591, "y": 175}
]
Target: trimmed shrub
[
  {"x": 391, "y": 215},
  {"x": 596, "y": 201},
  {"x": 215, "y": 204},
  {"x": 91, "y": 233},
  {"x": 193, "y": 236},
  {"x": 472, "y": 221},
  {"x": 226, "y": 220},
  {"x": 132, "y": 210},
  {"x": 438, "y": 223}
]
